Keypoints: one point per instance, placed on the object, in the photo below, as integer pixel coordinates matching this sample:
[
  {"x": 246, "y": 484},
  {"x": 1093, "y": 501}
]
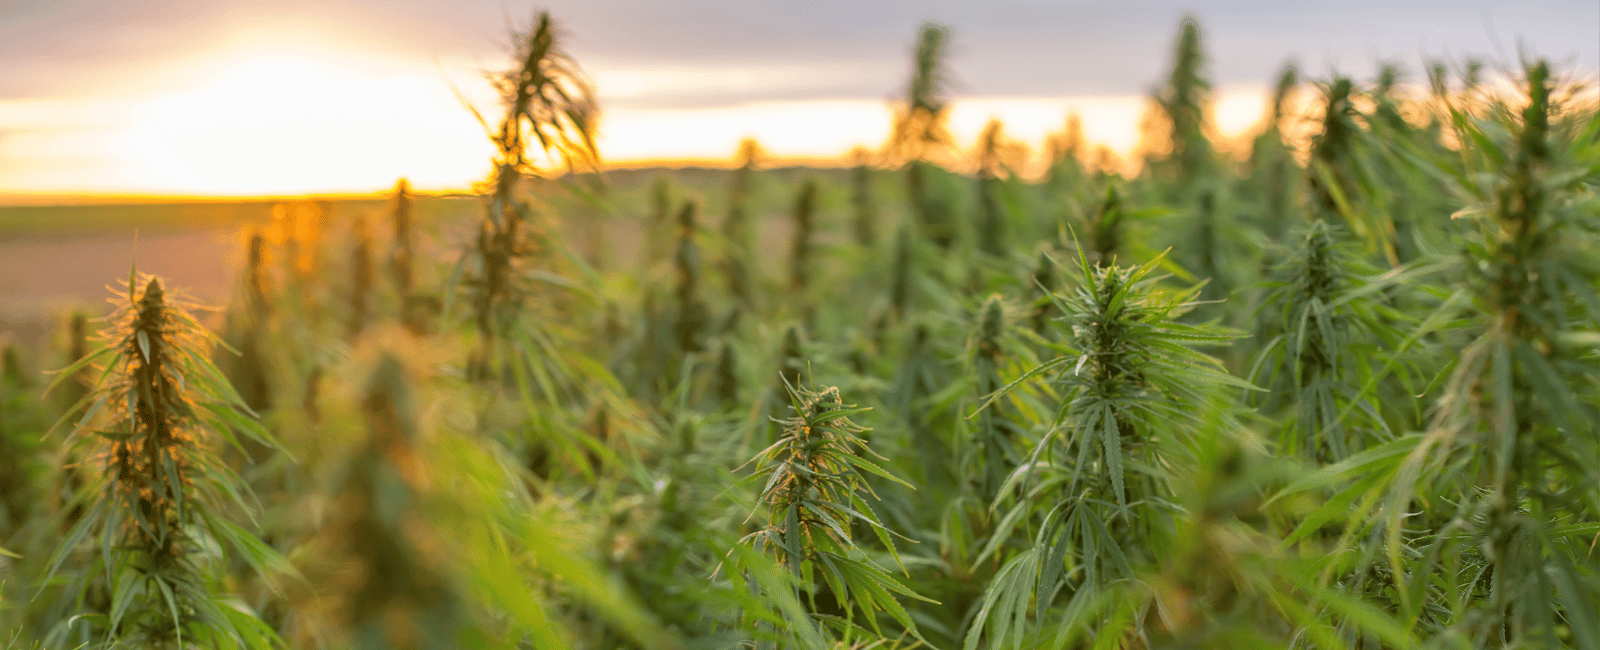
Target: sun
[{"x": 301, "y": 122}]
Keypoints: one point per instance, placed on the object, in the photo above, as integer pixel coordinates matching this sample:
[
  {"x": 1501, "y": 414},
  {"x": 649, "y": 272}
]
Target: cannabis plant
[
  {"x": 920, "y": 124},
  {"x": 143, "y": 562},
  {"x": 736, "y": 228},
  {"x": 1272, "y": 167},
  {"x": 800, "y": 257},
  {"x": 1514, "y": 431},
  {"x": 920, "y": 130},
  {"x": 814, "y": 483},
  {"x": 692, "y": 310},
  {"x": 403, "y": 252},
  {"x": 549, "y": 105},
  {"x": 996, "y": 439},
  {"x": 22, "y": 420},
  {"x": 1132, "y": 384},
  {"x": 361, "y": 280},
  {"x": 864, "y": 203},
  {"x": 994, "y": 154},
  {"x": 1183, "y": 102},
  {"x": 1330, "y": 347}
]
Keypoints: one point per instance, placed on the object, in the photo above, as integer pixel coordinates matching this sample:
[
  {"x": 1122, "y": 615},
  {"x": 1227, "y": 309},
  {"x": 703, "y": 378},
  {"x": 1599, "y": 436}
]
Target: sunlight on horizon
[
  {"x": 281, "y": 124},
  {"x": 265, "y": 123}
]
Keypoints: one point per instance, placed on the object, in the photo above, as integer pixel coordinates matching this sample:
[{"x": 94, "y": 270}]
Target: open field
[{"x": 1337, "y": 391}]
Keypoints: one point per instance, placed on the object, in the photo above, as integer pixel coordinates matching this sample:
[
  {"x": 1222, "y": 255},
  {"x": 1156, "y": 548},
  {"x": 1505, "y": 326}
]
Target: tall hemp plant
[
  {"x": 863, "y": 201},
  {"x": 736, "y": 228},
  {"x": 814, "y": 489},
  {"x": 23, "y": 465},
  {"x": 920, "y": 129},
  {"x": 1330, "y": 340},
  {"x": 1132, "y": 382},
  {"x": 1183, "y": 102},
  {"x": 549, "y": 104},
  {"x": 1271, "y": 167},
  {"x": 1512, "y": 444},
  {"x": 995, "y": 156},
  {"x": 143, "y": 565}
]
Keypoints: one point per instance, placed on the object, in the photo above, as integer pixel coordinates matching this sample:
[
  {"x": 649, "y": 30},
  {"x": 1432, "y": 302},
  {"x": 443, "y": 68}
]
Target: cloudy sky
[{"x": 281, "y": 96}]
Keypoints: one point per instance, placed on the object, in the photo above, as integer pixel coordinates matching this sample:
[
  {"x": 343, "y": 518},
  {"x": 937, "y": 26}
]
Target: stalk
[
  {"x": 736, "y": 227},
  {"x": 997, "y": 453},
  {"x": 805, "y": 206},
  {"x": 864, "y": 202},
  {"x": 403, "y": 251},
  {"x": 692, "y": 311},
  {"x": 361, "y": 273},
  {"x": 991, "y": 219}
]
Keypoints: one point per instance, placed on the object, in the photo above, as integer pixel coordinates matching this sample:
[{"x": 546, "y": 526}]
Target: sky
[{"x": 275, "y": 97}]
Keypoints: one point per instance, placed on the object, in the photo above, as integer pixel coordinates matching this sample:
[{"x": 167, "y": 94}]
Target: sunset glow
[
  {"x": 305, "y": 117},
  {"x": 299, "y": 102},
  {"x": 294, "y": 124}
]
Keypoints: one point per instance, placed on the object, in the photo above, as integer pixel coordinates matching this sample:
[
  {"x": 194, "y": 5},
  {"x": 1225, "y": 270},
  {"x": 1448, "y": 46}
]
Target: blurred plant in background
[{"x": 1333, "y": 389}]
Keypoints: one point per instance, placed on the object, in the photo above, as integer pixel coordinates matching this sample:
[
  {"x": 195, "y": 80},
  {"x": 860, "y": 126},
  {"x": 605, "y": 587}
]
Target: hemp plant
[
  {"x": 863, "y": 201},
  {"x": 1271, "y": 164},
  {"x": 361, "y": 279},
  {"x": 1132, "y": 382},
  {"x": 736, "y": 228},
  {"x": 1513, "y": 435},
  {"x": 145, "y": 554},
  {"x": 21, "y": 463},
  {"x": 996, "y": 439},
  {"x": 800, "y": 257},
  {"x": 692, "y": 310},
  {"x": 548, "y": 104},
  {"x": 1332, "y": 334},
  {"x": 920, "y": 129},
  {"x": 814, "y": 481},
  {"x": 403, "y": 252},
  {"x": 1335, "y": 169},
  {"x": 995, "y": 153},
  {"x": 1183, "y": 102}
]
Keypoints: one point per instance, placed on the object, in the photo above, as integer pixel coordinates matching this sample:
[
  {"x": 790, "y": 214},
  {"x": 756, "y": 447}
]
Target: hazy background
[{"x": 275, "y": 97}]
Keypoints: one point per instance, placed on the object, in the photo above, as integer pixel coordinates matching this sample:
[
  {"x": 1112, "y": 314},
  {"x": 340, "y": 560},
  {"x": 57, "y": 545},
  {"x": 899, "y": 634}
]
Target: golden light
[
  {"x": 295, "y": 123},
  {"x": 290, "y": 109},
  {"x": 793, "y": 129},
  {"x": 811, "y": 130}
]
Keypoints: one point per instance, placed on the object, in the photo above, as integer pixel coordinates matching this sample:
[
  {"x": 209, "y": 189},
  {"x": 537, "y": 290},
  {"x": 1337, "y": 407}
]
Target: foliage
[{"x": 1334, "y": 391}]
